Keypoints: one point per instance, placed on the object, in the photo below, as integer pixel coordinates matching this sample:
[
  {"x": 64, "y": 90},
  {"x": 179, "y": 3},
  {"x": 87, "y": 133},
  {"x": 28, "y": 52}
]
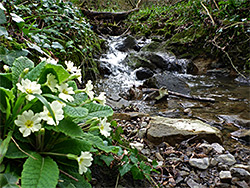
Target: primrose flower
[
  {"x": 74, "y": 70},
  {"x": 51, "y": 82},
  {"x": 84, "y": 161},
  {"x": 28, "y": 122},
  {"x": 49, "y": 60},
  {"x": 101, "y": 98},
  {"x": 6, "y": 68},
  {"x": 57, "y": 110},
  {"x": 88, "y": 90},
  {"x": 104, "y": 127},
  {"x": 65, "y": 92},
  {"x": 29, "y": 88}
]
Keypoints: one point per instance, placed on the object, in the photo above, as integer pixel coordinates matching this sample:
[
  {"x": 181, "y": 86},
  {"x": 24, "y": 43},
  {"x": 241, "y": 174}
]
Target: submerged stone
[{"x": 174, "y": 131}]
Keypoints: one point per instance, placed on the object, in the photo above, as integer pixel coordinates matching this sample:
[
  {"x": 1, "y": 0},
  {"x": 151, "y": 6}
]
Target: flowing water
[{"x": 232, "y": 106}]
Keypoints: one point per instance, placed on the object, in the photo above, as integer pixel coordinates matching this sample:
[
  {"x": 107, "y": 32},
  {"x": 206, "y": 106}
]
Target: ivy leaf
[
  {"x": 125, "y": 168},
  {"x": 8, "y": 180},
  {"x": 2, "y": 16},
  {"x": 107, "y": 159},
  {"x": 3, "y": 31},
  {"x": 18, "y": 66},
  {"x": 39, "y": 172},
  {"x": 57, "y": 45},
  {"x": 16, "y": 18},
  {"x": 137, "y": 173},
  {"x": 8, "y": 57}
]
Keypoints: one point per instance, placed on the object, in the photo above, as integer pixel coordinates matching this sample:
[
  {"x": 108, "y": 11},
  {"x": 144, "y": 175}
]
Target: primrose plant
[{"x": 50, "y": 130}]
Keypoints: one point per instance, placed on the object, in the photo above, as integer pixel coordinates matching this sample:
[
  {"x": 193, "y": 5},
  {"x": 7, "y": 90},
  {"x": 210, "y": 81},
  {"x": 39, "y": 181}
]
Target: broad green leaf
[
  {"x": 98, "y": 110},
  {"x": 75, "y": 112},
  {"x": 4, "y": 146},
  {"x": 8, "y": 57},
  {"x": 3, "y": 31},
  {"x": 2, "y": 17},
  {"x": 35, "y": 73},
  {"x": 14, "y": 153},
  {"x": 18, "y": 66},
  {"x": 72, "y": 84},
  {"x": 125, "y": 168},
  {"x": 40, "y": 172},
  {"x": 57, "y": 45},
  {"x": 2, "y": 7},
  {"x": 5, "y": 80},
  {"x": 71, "y": 183},
  {"x": 80, "y": 98},
  {"x": 69, "y": 128},
  {"x": 8, "y": 180},
  {"x": 137, "y": 173},
  {"x": 58, "y": 70},
  {"x": 74, "y": 146},
  {"x": 98, "y": 143},
  {"x": 107, "y": 159}
]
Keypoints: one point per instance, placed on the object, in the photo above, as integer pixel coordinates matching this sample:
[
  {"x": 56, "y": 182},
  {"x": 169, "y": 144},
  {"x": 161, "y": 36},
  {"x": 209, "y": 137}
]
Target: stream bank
[{"x": 133, "y": 75}]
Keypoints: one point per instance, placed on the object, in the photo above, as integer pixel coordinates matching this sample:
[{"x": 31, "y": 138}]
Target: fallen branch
[
  {"x": 149, "y": 90},
  {"x": 208, "y": 13}
]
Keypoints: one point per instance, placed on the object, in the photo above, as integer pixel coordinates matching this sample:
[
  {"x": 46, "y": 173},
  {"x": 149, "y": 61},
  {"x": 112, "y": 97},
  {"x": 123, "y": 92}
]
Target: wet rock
[
  {"x": 213, "y": 162},
  {"x": 139, "y": 146},
  {"x": 129, "y": 115},
  {"x": 201, "y": 163},
  {"x": 235, "y": 120},
  {"x": 169, "y": 81},
  {"x": 240, "y": 173},
  {"x": 242, "y": 184},
  {"x": 227, "y": 159},
  {"x": 242, "y": 134},
  {"x": 144, "y": 73},
  {"x": 217, "y": 147},
  {"x": 245, "y": 167},
  {"x": 225, "y": 176},
  {"x": 104, "y": 68},
  {"x": 127, "y": 44},
  {"x": 142, "y": 133},
  {"x": 175, "y": 131},
  {"x": 192, "y": 184},
  {"x": 214, "y": 146}
]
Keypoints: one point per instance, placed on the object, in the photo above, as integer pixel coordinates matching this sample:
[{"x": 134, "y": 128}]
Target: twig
[
  {"x": 22, "y": 149},
  {"x": 216, "y": 5},
  {"x": 65, "y": 173},
  {"x": 117, "y": 181},
  {"x": 137, "y": 5},
  {"x": 208, "y": 13}
]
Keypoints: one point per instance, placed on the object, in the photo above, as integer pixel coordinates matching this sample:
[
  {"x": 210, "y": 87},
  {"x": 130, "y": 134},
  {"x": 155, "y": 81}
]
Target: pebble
[
  {"x": 218, "y": 148},
  {"x": 201, "y": 163},
  {"x": 227, "y": 159},
  {"x": 159, "y": 157},
  {"x": 144, "y": 124},
  {"x": 246, "y": 167},
  {"x": 213, "y": 162},
  {"x": 139, "y": 146},
  {"x": 192, "y": 184},
  {"x": 240, "y": 173},
  {"x": 225, "y": 176},
  {"x": 142, "y": 133}
]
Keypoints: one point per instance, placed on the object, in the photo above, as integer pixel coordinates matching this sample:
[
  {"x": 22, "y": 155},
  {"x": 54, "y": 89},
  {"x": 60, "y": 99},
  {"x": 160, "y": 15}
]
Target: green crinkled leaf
[
  {"x": 2, "y": 17},
  {"x": 73, "y": 85},
  {"x": 98, "y": 110},
  {"x": 73, "y": 145},
  {"x": 5, "y": 80},
  {"x": 98, "y": 143},
  {"x": 35, "y": 73},
  {"x": 58, "y": 70},
  {"x": 75, "y": 112},
  {"x": 18, "y": 66},
  {"x": 4, "y": 146},
  {"x": 69, "y": 128},
  {"x": 8, "y": 180},
  {"x": 42, "y": 172},
  {"x": 80, "y": 98}
]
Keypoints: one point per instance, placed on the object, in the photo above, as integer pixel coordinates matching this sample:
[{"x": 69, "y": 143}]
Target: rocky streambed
[{"x": 192, "y": 116}]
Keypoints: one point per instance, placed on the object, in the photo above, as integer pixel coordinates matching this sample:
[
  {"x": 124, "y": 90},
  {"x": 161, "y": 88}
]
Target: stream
[{"x": 230, "y": 112}]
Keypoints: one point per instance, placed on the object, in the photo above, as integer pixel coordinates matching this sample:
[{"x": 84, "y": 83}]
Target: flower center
[
  {"x": 81, "y": 160},
  {"x": 28, "y": 91},
  {"x": 29, "y": 124},
  {"x": 102, "y": 127},
  {"x": 65, "y": 91},
  {"x": 49, "y": 114}
]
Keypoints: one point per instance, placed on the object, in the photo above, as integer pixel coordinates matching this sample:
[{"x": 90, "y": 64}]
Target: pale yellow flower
[
  {"x": 101, "y": 98},
  {"x": 49, "y": 60},
  {"x": 51, "y": 82},
  {"x": 84, "y": 161},
  {"x": 65, "y": 92},
  {"x": 28, "y": 122},
  {"x": 105, "y": 127},
  {"x": 57, "y": 110},
  {"x": 29, "y": 88},
  {"x": 88, "y": 90}
]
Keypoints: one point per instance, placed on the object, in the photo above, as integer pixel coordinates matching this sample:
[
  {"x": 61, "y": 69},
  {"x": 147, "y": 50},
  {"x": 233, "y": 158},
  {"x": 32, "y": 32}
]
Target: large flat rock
[{"x": 174, "y": 131}]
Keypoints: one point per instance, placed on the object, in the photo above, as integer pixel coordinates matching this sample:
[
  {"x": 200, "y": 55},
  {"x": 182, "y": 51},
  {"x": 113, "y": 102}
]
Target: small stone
[
  {"x": 139, "y": 146},
  {"x": 245, "y": 167},
  {"x": 225, "y": 176},
  {"x": 240, "y": 173},
  {"x": 213, "y": 162},
  {"x": 227, "y": 159},
  {"x": 242, "y": 184},
  {"x": 201, "y": 163},
  {"x": 192, "y": 184},
  {"x": 144, "y": 124},
  {"x": 142, "y": 133},
  {"x": 218, "y": 148},
  {"x": 222, "y": 166}
]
